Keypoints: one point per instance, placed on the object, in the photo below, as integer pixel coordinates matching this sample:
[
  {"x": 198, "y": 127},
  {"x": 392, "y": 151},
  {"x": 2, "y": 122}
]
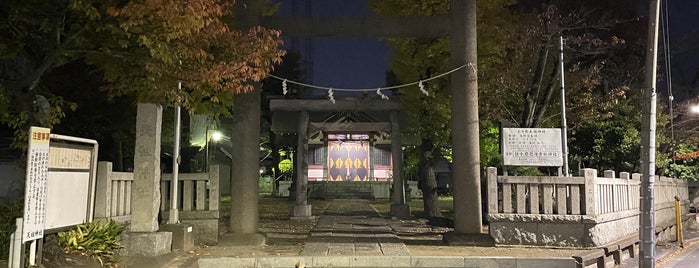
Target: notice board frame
[{"x": 74, "y": 167}]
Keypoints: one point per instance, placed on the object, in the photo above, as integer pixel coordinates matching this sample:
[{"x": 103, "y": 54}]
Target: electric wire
[{"x": 668, "y": 74}]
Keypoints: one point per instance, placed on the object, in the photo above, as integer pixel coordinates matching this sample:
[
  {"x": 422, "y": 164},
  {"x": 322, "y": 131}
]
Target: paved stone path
[
  {"x": 351, "y": 234},
  {"x": 353, "y": 228}
]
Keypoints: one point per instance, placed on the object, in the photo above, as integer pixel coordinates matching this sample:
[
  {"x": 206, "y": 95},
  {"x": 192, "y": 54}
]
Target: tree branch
[
  {"x": 550, "y": 88},
  {"x": 33, "y": 80}
]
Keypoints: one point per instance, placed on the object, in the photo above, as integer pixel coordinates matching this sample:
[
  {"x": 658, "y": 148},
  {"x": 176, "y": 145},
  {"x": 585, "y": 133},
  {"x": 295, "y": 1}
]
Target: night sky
[
  {"x": 339, "y": 62},
  {"x": 363, "y": 62}
]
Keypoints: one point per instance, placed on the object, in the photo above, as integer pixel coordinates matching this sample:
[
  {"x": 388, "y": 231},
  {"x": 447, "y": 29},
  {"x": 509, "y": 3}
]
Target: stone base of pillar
[
  {"x": 477, "y": 240},
  {"x": 302, "y": 211},
  {"x": 182, "y": 235},
  {"x": 147, "y": 244},
  {"x": 238, "y": 239},
  {"x": 400, "y": 211}
]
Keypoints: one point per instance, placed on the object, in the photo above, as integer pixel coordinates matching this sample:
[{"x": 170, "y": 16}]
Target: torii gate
[{"x": 460, "y": 25}]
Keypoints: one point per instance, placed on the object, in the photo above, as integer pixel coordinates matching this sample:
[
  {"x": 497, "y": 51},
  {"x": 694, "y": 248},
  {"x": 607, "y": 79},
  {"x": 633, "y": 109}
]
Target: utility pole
[
  {"x": 647, "y": 217},
  {"x": 564, "y": 124},
  {"x": 174, "y": 192}
]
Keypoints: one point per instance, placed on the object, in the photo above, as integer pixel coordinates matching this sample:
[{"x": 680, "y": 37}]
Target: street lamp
[{"x": 694, "y": 109}]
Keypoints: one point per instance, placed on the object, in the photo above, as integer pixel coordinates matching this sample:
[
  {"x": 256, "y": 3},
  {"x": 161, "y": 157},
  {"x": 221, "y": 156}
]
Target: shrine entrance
[
  {"x": 459, "y": 24},
  {"x": 351, "y": 145},
  {"x": 348, "y": 157}
]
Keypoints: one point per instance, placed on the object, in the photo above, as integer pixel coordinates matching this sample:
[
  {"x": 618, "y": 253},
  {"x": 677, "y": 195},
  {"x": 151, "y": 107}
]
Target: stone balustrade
[
  {"x": 198, "y": 195},
  {"x": 113, "y": 193},
  {"x": 582, "y": 211}
]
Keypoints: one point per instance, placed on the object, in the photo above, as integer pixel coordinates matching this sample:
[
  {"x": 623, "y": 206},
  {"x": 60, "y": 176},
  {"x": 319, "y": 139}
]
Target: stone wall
[
  {"x": 694, "y": 194},
  {"x": 11, "y": 181}
]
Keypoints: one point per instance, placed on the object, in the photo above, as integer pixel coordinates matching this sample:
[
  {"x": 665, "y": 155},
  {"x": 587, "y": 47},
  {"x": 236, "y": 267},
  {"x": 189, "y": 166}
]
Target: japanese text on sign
[
  {"x": 65, "y": 156},
  {"x": 532, "y": 147},
  {"x": 35, "y": 188}
]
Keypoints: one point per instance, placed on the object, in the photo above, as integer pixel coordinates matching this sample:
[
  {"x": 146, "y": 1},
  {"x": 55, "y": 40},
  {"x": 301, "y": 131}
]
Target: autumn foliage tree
[{"x": 139, "y": 48}]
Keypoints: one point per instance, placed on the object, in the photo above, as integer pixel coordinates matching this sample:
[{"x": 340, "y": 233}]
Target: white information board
[
  {"x": 67, "y": 198},
  {"x": 36, "y": 183},
  {"x": 532, "y": 147},
  {"x": 60, "y": 184},
  {"x": 71, "y": 178}
]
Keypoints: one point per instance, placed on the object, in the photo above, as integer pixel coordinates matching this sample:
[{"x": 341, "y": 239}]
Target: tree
[
  {"x": 429, "y": 115},
  {"x": 111, "y": 122},
  {"x": 604, "y": 47},
  {"x": 139, "y": 48},
  {"x": 418, "y": 59},
  {"x": 520, "y": 64},
  {"x": 273, "y": 87}
]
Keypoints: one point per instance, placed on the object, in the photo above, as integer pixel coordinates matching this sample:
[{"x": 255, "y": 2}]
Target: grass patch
[{"x": 446, "y": 205}]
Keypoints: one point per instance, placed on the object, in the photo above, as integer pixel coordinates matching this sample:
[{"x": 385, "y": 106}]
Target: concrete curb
[
  {"x": 385, "y": 261},
  {"x": 667, "y": 253},
  {"x": 663, "y": 254}
]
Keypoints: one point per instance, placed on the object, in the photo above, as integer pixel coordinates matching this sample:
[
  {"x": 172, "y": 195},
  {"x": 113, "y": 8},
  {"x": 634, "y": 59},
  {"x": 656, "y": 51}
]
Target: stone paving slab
[
  {"x": 394, "y": 249},
  {"x": 364, "y": 233},
  {"x": 366, "y": 240},
  {"x": 387, "y": 261}
]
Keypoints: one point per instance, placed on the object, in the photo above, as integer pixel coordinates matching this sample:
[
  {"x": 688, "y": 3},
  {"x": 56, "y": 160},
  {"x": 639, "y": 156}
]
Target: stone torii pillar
[
  {"x": 245, "y": 167},
  {"x": 302, "y": 210},
  {"x": 399, "y": 208},
  {"x": 465, "y": 135}
]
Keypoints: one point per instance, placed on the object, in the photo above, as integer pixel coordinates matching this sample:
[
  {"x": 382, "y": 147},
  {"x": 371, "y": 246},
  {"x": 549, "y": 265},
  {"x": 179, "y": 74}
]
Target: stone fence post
[
  {"x": 608, "y": 174},
  {"x": 492, "y": 190},
  {"x": 214, "y": 187},
  {"x": 103, "y": 190},
  {"x": 625, "y": 175},
  {"x": 589, "y": 175}
]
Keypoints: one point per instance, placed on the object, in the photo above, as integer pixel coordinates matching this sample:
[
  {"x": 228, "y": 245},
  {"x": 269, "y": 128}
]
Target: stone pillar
[
  {"x": 372, "y": 150},
  {"x": 301, "y": 208},
  {"x": 245, "y": 167},
  {"x": 399, "y": 209},
  {"x": 245, "y": 140},
  {"x": 590, "y": 199},
  {"x": 245, "y": 170},
  {"x": 465, "y": 137},
  {"x": 493, "y": 190},
  {"x": 145, "y": 191},
  {"x": 464, "y": 111},
  {"x": 103, "y": 190}
]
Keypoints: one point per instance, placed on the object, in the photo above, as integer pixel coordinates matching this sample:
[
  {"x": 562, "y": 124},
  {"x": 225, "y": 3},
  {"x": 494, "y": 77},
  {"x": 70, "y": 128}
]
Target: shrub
[
  {"x": 9, "y": 211},
  {"x": 97, "y": 239}
]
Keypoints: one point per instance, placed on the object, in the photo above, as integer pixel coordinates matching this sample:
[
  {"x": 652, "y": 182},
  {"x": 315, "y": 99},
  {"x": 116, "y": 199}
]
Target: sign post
[
  {"x": 35, "y": 188},
  {"x": 60, "y": 185},
  {"x": 36, "y": 184}
]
